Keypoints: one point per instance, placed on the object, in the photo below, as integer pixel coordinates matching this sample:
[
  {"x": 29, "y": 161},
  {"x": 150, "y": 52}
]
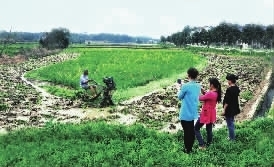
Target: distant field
[
  {"x": 129, "y": 67},
  {"x": 18, "y": 48},
  {"x": 117, "y": 45},
  {"x": 231, "y": 51}
]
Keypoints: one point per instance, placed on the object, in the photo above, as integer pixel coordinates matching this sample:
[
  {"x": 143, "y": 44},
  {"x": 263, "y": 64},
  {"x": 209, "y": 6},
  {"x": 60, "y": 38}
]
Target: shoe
[
  {"x": 228, "y": 138},
  {"x": 202, "y": 147},
  {"x": 208, "y": 144},
  {"x": 186, "y": 151},
  {"x": 95, "y": 95}
]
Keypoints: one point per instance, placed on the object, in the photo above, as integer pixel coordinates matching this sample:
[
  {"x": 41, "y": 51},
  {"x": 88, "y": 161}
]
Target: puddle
[
  {"x": 96, "y": 113},
  {"x": 126, "y": 119},
  {"x": 78, "y": 112}
]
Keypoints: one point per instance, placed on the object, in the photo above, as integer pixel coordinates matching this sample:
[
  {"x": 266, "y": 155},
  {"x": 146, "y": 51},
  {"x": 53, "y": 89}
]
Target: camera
[{"x": 109, "y": 83}]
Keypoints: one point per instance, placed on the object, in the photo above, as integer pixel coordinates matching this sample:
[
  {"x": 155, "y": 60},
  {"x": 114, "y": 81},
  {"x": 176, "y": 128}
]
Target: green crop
[
  {"x": 102, "y": 144},
  {"x": 18, "y": 48},
  {"x": 130, "y": 68}
]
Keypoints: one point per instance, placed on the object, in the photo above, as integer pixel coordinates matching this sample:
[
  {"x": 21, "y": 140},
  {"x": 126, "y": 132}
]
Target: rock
[
  {"x": 22, "y": 118},
  {"x": 172, "y": 126},
  {"x": 26, "y": 113}
]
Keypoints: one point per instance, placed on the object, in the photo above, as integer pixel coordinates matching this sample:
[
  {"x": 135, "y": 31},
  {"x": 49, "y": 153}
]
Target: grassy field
[
  {"x": 101, "y": 144},
  {"x": 98, "y": 143},
  {"x": 130, "y": 68},
  {"x": 18, "y": 48}
]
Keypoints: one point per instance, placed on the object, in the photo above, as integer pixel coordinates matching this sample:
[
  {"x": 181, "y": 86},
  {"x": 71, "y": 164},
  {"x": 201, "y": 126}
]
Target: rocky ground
[{"x": 23, "y": 103}]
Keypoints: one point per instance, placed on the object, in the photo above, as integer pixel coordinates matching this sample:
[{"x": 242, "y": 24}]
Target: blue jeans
[
  {"x": 230, "y": 127},
  {"x": 198, "y": 135}
]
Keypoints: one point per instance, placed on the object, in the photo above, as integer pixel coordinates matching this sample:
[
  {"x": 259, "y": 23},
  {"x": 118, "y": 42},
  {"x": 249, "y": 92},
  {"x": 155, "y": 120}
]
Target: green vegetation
[
  {"x": 101, "y": 144},
  {"x": 225, "y": 34},
  {"x": 247, "y": 95},
  {"x": 271, "y": 113},
  {"x": 3, "y": 107},
  {"x": 129, "y": 67},
  {"x": 58, "y": 38},
  {"x": 59, "y": 91},
  {"x": 230, "y": 51},
  {"x": 17, "y": 48},
  {"x": 118, "y": 45}
]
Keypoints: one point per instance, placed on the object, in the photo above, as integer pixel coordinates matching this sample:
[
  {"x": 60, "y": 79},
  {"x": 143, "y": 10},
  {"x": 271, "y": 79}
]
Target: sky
[{"x": 151, "y": 18}]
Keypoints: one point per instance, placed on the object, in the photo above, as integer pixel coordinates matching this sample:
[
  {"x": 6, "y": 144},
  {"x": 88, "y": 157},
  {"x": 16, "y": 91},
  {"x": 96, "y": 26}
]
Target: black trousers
[
  {"x": 189, "y": 134},
  {"x": 198, "y": 135}
]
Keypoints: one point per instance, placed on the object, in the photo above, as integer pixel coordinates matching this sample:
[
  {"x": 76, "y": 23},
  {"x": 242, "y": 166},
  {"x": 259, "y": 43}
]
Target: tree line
[
  {"x": 74, "y": 37},
  {"x": 60, "y": 38},
  {"x": 224, "y": 34}
]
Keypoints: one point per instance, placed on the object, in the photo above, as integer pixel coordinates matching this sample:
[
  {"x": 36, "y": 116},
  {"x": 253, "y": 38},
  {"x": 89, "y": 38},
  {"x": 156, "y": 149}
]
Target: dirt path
[{"x": 48, "y": 102}]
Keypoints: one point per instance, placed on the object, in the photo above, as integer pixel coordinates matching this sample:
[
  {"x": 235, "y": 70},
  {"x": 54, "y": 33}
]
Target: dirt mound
[{"x": 12, "y": 60}]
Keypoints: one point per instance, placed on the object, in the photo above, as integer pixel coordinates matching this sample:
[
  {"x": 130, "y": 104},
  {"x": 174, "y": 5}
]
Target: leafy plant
[
  {"x": 247, "y": 95},
  {"x": 102, "y": 144},
  {"x": 3, "y": 107}
]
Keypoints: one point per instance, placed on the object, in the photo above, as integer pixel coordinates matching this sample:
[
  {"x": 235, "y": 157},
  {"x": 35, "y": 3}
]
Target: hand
[
  {"x": 223, "y": 113},
  {"x": 178, "y": 86},
  {"x": 203, "y": 91}
]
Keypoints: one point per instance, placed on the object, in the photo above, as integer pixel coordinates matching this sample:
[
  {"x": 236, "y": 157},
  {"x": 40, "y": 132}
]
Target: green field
[
  {"x": 97, "y": 143},
  {"x": 19, "y": 48},
  {"x": 101, "y": 144},
  {"x": 130, "y": 68}
]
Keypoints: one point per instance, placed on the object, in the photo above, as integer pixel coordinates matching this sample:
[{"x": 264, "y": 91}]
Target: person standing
[
  {"x": 189, "y": 96},
  {"x": 208, "y": 111},
  {"x": 231, "y": 104}
]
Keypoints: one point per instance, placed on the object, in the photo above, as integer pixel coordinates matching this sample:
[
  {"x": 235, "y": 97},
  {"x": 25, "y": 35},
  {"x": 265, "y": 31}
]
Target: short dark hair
[
  {"x": 192, "y": 73},
  {"x": 85, "y": 72},
  {"x": 232, "y": 77}
]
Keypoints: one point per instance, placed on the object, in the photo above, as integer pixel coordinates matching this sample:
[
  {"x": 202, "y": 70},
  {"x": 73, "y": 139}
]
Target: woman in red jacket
[{"x": 208, "y": 112}]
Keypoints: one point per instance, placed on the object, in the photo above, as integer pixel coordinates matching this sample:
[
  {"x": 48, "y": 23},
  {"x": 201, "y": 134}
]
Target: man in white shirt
[{"x": 84, "y": 83}]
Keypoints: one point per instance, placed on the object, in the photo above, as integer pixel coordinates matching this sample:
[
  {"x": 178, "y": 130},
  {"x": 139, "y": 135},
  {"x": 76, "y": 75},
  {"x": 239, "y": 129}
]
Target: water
[
  {"x": 266, "y": 103},
  {"x": 268, "y": 99}
]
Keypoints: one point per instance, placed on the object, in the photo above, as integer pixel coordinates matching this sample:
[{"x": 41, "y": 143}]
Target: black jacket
[{"x": 231, "y": 98}]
